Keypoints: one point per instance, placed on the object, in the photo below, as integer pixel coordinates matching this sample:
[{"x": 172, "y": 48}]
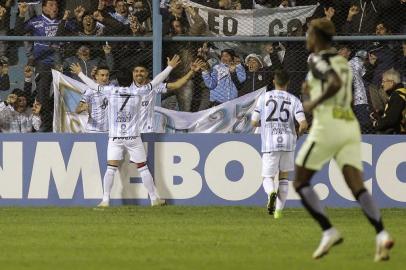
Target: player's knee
[{"x": 111, "y": 169}]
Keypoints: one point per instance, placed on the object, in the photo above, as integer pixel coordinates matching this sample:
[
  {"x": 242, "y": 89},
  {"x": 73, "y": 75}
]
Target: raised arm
[
  {"x": 172, "y": 63},
  {"x": 76, "y": 69},
  {"x": 194, "y": 67}
]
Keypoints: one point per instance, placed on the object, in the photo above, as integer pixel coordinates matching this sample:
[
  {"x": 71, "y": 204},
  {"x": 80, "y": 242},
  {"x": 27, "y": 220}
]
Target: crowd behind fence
[{"x": 247, "y": 66}]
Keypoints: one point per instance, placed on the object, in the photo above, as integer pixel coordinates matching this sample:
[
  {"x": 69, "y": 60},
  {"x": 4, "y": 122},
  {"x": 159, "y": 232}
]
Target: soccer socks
[
  {"x": 108, "y": 182},
  {"x": 282, "y": 194},
  {"x": 269, "y": 185},
  {"x": 311, "y": 202},
  {"x": 370, "y": 209},
  {"x": 148, "y": 182}
]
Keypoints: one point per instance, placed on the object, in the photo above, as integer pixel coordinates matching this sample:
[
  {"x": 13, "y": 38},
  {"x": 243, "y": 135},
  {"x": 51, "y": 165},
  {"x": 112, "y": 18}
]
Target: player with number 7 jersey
[{"x": 124, "y": 135}]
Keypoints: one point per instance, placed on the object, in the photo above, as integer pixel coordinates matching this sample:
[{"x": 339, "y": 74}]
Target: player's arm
[
  {"x": 195, "y": 67},
  {"x": 301, "y": 119},
  {"x": 256, "y": 114},
  {"x": 330, "y": 79},
  {"x": 76, "y": 69},
  {"x": 172, "y": 63}
]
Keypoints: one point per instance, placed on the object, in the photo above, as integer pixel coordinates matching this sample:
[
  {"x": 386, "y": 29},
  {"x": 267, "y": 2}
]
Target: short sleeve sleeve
[
  {"x": 299, "y": 112},
  {"x": 260, "y": 101},
  {"x": 320, "y": 67},
  {"x": 161, "y": 88}
]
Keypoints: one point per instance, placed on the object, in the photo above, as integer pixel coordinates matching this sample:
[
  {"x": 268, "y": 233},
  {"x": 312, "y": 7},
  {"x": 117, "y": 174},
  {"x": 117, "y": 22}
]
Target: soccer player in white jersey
[
  {"x": 277, "y": 111},
  {"x": 140, "y": 76},
  {"x": 335, "y": 133},
  {"x": 95, "y": 103},
  {"x": 124, "y": 112}
]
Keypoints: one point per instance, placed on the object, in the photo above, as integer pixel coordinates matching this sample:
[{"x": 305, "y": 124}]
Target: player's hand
[
  {"x": 75, "y": 68},
  {"x": 22, "y": 9},
  {"x": 36, "y": 108},
  {"x": 11, "y": 99},
  {"x": 174, "y": 62}
]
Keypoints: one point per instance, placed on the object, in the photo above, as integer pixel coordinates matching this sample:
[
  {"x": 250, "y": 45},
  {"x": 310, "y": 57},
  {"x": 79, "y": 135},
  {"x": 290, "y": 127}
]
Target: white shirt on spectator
[{"x": 12, "y": 121}]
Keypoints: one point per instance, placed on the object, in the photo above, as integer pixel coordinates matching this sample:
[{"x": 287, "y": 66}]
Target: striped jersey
[
  {"x": 278, "y": 111},
  {"x": 98, "y": 111},
  {"x": 124, "y": 109},
  {"x": 147, "y": 108}
]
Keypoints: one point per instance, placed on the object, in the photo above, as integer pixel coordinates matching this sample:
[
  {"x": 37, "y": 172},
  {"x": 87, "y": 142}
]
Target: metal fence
[{"x": 27, "y": 67}]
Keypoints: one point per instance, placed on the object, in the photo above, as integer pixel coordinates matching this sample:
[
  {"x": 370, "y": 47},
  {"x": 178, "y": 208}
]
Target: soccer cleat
[
  {"x": 277, "y": 214},
  {"x": 271, "y": 203},
  {"x": 158, "y": 202},
  {"x": 384, "y": 243},
  {"x": 103, "y": 204},
  {"x": 330, "y": 238}
]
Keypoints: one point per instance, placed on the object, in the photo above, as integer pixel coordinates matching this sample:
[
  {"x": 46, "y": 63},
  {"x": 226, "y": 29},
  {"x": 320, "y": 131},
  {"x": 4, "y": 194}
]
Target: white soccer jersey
[
  {"x": 278, "y": 110},
  {"x": 124, "y": 109},
  {"x": 98, "y": 118},
  {"x": 147, "y": 108}
]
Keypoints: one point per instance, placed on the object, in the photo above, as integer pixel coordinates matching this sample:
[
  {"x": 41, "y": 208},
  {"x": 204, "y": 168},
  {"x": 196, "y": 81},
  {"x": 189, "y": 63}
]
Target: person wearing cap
[
  {"x": 361, "y": 94},
  {"x": 257, "y": 75},
  {"x": 16, "y": 116},
  {"x": 219, "y": 79},
  {"x": 87, "y": 63}
]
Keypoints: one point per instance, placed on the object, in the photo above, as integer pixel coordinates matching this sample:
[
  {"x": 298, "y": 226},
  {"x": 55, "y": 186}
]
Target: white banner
[
  {"x": 67, "y": 95},
  {"x": 254, "y": 22},
  {"x": 230, "y": 117}
]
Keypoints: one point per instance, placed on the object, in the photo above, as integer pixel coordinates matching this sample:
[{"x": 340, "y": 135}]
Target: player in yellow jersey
[{"x": 335, "y": 133}]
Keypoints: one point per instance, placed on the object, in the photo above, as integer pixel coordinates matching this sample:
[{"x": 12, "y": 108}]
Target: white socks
[
  {"x": 108, "y": 182},
  {"x": 282, "y": 194},
  {"x": 269, "y": 185},
  {"x": 148, "y": 182}
]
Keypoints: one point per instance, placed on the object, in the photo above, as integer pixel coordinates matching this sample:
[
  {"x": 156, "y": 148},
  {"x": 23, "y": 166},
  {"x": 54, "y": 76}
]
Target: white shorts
[
  {"x": 274, "y": 162},
  {"x": 133, "y": 145}
]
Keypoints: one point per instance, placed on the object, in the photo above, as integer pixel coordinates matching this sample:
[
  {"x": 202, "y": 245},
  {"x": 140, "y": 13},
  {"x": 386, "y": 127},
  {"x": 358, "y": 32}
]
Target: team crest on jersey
[{"x": 279, "y": 139}]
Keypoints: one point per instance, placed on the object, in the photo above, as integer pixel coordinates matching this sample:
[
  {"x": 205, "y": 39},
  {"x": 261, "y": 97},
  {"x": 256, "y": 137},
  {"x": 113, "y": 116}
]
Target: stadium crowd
[{"x": 379, "y": 67}]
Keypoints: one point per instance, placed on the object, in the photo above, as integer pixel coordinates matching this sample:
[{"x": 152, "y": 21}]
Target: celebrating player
[
  {"x": 96, "y": 102},
  {"x": 124, "y": 112},
  {"x": 140, "y": 76},
  {"x": 277, "y": 111},
  {"x": 335, "y": 134}
]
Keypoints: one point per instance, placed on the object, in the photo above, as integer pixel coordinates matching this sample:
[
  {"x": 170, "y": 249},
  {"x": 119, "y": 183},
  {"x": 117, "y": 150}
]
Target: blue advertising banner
[{"x": 188, "y": 169}]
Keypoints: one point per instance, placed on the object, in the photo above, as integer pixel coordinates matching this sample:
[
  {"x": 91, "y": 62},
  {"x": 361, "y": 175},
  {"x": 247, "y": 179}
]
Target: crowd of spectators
[{"x": 230, "y": 70}]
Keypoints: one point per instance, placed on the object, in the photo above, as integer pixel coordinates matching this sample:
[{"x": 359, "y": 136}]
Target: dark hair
[
  {"x": 324, "y": 29},
  {"x": 45, "y": 2},
  {"x": 281, "y": 77},
  {"x": 141, "y": 64},
  {"x": 102, "y": 68},
  {"x": 19, "y": 93},
  {"x": 229, "y": 51},
  {"x": 124, "y": 77}
]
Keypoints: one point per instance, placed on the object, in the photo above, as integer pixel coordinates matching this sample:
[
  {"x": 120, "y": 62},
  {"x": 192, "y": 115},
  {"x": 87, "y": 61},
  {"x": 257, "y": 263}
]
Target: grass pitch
[{"x": 187, "y": 238}]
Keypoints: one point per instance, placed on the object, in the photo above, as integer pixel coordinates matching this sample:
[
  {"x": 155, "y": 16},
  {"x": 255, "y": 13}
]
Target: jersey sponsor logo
[{"x": 123, "y": 117}]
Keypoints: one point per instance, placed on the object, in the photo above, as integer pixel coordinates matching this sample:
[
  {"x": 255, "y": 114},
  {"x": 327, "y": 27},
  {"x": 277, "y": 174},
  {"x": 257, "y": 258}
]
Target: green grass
[{"x": 187, "y": 238}]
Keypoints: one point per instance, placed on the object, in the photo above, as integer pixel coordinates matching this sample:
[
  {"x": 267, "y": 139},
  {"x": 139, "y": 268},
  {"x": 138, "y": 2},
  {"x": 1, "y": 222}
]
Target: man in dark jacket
[
  {"x": 391, "y": 120},
  {"x": 257, "y": 76}
]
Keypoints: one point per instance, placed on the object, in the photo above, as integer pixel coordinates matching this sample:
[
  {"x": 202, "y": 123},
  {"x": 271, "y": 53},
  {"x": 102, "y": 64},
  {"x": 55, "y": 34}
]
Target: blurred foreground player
[{"x": 335, "y": 133}]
